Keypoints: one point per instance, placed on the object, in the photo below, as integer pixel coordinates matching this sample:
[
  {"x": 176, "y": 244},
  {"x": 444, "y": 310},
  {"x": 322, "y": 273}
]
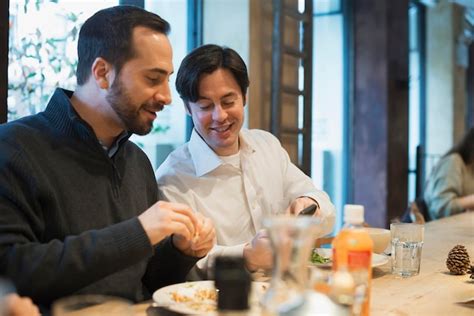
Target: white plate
[
  {"x": 191, "y": 305},
  {"x": 377, "y": 260}
]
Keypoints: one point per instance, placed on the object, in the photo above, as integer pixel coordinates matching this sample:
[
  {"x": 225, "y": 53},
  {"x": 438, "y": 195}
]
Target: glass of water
[{"x": 407, "y": 242}]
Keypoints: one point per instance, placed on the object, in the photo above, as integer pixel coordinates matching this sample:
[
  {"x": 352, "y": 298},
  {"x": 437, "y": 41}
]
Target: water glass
[
  {"x": 92, "y": 305},
  {"x": 407, "y": 243}
]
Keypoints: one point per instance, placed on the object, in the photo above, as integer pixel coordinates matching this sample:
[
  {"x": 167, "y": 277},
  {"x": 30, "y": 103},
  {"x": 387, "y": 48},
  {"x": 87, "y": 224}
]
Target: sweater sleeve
[
  {"x": 167, "y": 266},
  {"x": 444, "y": 186},
  {"x": 203, "y": 268},
  {"x": 46, "y": 269}
]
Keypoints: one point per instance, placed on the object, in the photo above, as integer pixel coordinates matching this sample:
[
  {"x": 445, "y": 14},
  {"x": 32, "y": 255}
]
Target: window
[
  {"x": 42, "y": 50},
  {"x": 416, "y": 100},
  {"x": 329, "y": 86}
]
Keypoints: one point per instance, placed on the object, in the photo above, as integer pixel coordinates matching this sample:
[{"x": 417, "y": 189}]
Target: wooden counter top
[{"x": 434, "y": 291}]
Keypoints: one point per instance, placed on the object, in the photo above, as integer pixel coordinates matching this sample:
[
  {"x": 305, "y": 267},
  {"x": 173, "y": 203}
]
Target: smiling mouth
[
  {"x": 222, "y": 129},
  {"x": 154, "y": 111},
  {"x": 154, "y": 108}
]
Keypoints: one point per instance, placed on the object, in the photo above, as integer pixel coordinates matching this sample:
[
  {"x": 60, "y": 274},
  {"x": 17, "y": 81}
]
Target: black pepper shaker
[{"x": 233, "y": 283}]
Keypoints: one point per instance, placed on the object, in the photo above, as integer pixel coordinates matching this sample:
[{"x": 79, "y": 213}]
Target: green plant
[{"x": 38, "y": 63}]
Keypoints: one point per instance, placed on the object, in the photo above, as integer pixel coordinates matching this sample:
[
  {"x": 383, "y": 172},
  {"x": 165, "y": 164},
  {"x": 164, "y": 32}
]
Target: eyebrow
[{"x": 160, "y": 71}]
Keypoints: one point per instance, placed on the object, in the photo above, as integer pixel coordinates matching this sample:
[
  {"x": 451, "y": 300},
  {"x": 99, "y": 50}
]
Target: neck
[{"x": 98, "y": 115}]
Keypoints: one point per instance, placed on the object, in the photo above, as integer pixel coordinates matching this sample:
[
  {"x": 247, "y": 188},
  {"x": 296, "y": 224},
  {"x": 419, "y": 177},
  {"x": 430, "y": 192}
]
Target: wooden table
[{"x": 434, "y": 291}]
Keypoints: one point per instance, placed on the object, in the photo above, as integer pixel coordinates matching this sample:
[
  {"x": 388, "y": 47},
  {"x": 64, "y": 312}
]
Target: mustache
[{"x": 154, "y": 107}]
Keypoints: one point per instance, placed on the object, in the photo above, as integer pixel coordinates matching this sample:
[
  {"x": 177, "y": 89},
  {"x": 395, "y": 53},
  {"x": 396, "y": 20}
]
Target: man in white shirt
[{"x": 232, "y": 175}]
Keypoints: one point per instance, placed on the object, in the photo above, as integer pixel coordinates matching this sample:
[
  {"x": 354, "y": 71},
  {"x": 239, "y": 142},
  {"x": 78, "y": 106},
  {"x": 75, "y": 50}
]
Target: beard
[{"x": 128, "y": 112}]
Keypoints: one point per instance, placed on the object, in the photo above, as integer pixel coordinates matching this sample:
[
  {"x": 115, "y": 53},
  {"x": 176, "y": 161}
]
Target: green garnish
[{"x": 317, "y": 258}]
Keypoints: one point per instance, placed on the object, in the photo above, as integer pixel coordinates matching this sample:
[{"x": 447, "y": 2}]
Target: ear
[{"x": 101, "y": 72}]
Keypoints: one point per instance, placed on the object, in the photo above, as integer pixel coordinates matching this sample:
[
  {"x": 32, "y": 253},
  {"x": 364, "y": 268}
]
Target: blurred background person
[{"x": 450, "y": 187}]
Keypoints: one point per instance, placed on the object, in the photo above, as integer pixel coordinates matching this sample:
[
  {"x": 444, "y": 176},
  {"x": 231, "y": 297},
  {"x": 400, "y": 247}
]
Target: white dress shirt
[{"x": 238, "y": 191}]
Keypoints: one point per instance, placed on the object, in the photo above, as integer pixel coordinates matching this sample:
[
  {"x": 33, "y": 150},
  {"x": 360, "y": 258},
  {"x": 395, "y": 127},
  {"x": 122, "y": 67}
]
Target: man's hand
[
  {"x": 202, "y": 241},
  {"x": 20, "y": 306},
  {"x": 163, "y": 219},
  {"x": 300, "y": 204},
  {"x": 258, "y": 253}
]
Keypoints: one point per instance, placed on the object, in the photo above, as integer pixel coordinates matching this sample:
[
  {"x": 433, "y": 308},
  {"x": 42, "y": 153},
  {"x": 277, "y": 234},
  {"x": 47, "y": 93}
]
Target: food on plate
[
  {"x": 199, "y": 297},
  {"x": 317, "y": 258},
  {"x": 203, "y": 299}
]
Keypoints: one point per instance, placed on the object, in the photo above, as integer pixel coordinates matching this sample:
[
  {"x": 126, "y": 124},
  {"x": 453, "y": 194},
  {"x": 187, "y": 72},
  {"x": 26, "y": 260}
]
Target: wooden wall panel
[{"x": 380, "y": 109}]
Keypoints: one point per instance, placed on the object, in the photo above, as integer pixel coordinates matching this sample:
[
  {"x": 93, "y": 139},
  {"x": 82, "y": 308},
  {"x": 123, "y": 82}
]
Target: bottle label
[{"x": 358, "y": 260}]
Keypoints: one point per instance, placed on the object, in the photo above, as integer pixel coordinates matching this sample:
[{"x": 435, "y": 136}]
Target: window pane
[
  {"x": 326, "y": 6},
  {"x": 328, "y": 108},
  {"x": 414, "y": 99},
  {"x": 42, "y": 50}
]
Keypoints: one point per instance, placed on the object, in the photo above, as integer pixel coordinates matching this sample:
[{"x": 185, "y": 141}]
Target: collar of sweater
[{"x": 64, "y": 117}]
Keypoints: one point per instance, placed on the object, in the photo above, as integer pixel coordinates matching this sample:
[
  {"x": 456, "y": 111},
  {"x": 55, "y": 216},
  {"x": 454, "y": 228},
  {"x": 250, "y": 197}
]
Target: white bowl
[{"x": 380, "y": 238}]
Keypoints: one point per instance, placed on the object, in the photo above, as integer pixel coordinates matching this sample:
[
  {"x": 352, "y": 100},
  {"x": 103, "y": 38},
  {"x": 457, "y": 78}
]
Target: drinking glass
[
  {"x": 92, "y": 305},
  {"x": 292, "y": 239},
  {"x": 407, "y": 243}
]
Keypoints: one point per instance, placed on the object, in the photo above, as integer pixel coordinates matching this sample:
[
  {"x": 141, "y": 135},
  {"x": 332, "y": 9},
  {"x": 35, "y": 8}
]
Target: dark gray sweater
[{"x": 68, "y": 212}]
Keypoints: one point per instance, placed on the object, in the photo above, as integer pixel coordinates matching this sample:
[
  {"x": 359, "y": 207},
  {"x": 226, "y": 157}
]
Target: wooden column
[
  {"x": 260, "y": 63},
  {"x": 470, "y": 88},
  {"x": 380, "y": 108},
  {"x": 4, "y": 27}
]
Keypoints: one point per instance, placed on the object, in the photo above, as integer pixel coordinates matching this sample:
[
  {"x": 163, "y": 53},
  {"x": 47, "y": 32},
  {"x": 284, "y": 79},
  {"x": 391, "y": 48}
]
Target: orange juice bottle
[{"x": 352, "y": 251}]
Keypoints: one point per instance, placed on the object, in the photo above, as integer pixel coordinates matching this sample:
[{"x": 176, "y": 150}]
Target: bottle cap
[{"x": 353, "y": 214}]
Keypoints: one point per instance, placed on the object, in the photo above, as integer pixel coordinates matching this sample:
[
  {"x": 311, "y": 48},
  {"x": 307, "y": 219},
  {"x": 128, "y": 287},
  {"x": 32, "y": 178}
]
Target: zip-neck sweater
[{"x": 68, "y": 212}]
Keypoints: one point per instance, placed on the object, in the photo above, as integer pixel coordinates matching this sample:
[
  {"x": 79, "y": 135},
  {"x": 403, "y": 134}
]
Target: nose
[
  {"x": 219, "y": 114},
  {"x": 163, "y": 94}
]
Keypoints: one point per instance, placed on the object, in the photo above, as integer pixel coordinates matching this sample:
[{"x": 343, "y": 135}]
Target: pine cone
[
  {"x": 472, "y": 272},
  {"x": 458, "y": 260}
]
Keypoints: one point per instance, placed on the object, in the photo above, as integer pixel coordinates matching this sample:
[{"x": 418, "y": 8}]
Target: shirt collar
[
  {"x": 205, "y": 159},
  {"x": 112, "y": 150}
]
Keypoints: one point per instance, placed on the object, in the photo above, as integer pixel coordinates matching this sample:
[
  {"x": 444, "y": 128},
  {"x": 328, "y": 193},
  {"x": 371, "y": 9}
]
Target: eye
[
  {"x": 154, "y": 81},
  {"x": 205, "y": 106},
  {"x": 228, "y": 102}
]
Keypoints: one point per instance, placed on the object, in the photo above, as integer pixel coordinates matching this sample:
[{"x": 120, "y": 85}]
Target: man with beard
[{"x": 78, "y": 201}]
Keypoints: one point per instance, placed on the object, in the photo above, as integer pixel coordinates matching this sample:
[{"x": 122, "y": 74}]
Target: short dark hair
[
  {"x": 205, "y": 60},
  {"x": 108, "y": 34},
  {"x": 465, "y": 148}
]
